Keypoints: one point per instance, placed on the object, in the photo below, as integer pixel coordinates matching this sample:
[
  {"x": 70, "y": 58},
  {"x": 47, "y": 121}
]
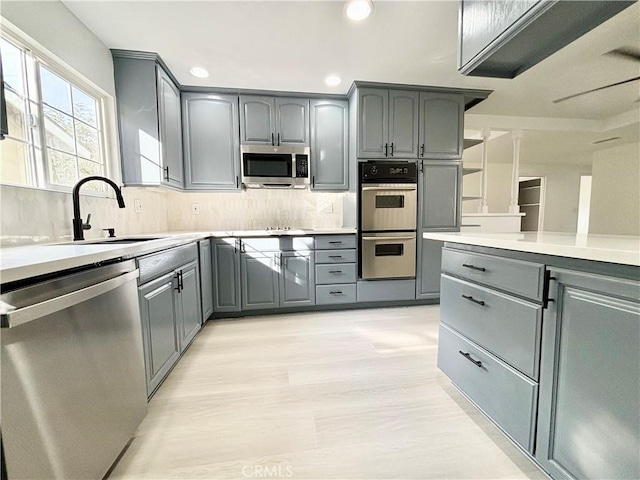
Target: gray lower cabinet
[
  {"x": 274, "y": 120},
  {"x": 170, "y": 122},
  {"x": 441, "y": 125},
  {"x": 160, "y": 332},
  {"x": 589, "y": 418},
  {"x": 439, "y": 186},
  {"x": 206, "y": 278},
  {"x": 211, "y": 141},
  {"x": 429, "y": 256},
  {"x": 226, "y": 275},
  {"x": 260, "y": 278},
  {"x": 297, "y": 283},
  {"x": 189, "y": 316},
  {"x": 329, "y": 145}
]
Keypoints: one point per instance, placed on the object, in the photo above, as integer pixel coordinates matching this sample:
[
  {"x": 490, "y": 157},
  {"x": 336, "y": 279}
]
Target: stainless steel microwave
[{"x": 266, "y": 166}]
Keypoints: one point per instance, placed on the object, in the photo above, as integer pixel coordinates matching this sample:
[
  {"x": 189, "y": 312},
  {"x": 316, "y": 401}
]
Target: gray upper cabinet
[
  {"x": 297, "y": 284},
  {"x": 441, "y": 125},
  {"x": 259, "y": 275},
  {"x": 403, "y": 124},
  {"x": 170, "y": 123},
  {"x": 274, "y": 120},
  {"x": 149, "y": 120},
  {"x": 373, "y": 123},
  {"x": 329, "y": 145},
  {"x": 439, "y": 194},
  {"x": 211, "y": 141},
  {"x": 589, "y": 415},
  {"x": 226, "y": 275}
]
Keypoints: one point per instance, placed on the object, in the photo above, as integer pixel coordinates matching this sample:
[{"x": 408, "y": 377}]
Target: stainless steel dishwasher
[{"x": 73, "y": 381}]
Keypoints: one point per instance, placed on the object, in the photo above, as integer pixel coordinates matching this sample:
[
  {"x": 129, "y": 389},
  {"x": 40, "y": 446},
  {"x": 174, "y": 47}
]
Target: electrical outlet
[
  {"x": 137, "y": 205},
  {"x": 195, "y": 208},
  {"x": 328, "y": 208}
]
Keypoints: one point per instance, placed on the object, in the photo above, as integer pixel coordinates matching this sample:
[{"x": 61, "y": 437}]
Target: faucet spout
[{"x": 78, "y": 233}]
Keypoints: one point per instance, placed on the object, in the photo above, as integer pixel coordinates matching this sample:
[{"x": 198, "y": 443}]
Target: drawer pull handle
[
  {"x": 477, "y": 363},
  {"x": 335, "y": 272},
  {"x": 473, "y": 267},
  {"x": 335, "y": 256},
  {"x": 471, "y": 299},
  {"x": 337, "y": 292},
  {"x": 338, "y": 242}
]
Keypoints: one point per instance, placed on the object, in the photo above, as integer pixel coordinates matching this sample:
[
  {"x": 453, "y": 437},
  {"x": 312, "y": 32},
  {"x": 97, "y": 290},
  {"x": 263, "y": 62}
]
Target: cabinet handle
[
  {"x": 386, "y": 149},
  {"x": 473, "y": 267},
  {"x": 166, "y": 173},
  {"x": 422, "y": 150},
  {"x": 235, "y": 246},
  {"x": 335, "y": 272},
  {"x": 471, "y": 299},
  {"x": 278, "y": 139},
  {"x": 273, "y": 142},
  {"x": 177, "y": 282},
  {"x": 337, "y": 242},
  {"x": 392, "y": 149},
  {"x": 237, "y": 181},
  {"x": 313, "y": 181},
  {"x": 477, "y": 363},
  {"x": 242, "y": 249},
  {"x": 335, "y": 256},
  {"x": 337, "y": 292}
]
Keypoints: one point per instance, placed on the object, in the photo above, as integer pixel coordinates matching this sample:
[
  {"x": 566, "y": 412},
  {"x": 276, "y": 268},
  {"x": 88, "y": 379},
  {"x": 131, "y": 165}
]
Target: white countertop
[
  {"x": 603, "y": 248},
  {"x": 19, "y": 263}
]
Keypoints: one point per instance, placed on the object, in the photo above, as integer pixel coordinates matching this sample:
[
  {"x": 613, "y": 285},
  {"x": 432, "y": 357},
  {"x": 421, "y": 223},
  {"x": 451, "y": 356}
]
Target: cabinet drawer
[
  {"x": 335, "y": 256},
  {"x": 328, "y": 294},
  {"x": 506, "y": 396},
  {"x": 331, "y": 274},
  {"x": 156, "y": 264},
  {"x": 504, "y": 325},
  {"x": 515, "y": 276},
  {"x": 326, "y": 242}
]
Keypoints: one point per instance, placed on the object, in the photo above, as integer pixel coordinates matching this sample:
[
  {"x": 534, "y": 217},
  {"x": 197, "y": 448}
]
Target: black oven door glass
[
  {"x": 390, "y": 250},
  {"x": 272, "y": 165},
  {"x": 389, "y": 201}
]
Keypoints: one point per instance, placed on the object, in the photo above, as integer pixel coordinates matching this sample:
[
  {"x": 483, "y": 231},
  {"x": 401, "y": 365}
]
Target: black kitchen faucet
[{"x": 78, "y": 225}]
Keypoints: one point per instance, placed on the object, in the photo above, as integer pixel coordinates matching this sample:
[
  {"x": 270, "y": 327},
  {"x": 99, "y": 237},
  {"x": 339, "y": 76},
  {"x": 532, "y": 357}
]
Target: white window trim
[{"x": 109, "y": 146}]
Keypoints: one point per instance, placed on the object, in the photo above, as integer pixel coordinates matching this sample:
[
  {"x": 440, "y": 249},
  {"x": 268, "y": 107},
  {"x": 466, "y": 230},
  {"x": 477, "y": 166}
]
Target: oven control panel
[
  {"x": 302, "y": 165},
  {"x": 390, "y": 172}
]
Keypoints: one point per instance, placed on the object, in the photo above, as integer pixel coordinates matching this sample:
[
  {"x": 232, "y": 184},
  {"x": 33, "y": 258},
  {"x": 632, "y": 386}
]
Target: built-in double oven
[{"x": 388, "y": 200}]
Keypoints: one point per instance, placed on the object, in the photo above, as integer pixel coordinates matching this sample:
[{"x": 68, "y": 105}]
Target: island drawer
[
  {"x": 515, "y": 276},
  {"x": 342, "y": 293},
  {"x": 331, "y": 274},
  {"x": 506, "y": 326},
  {"x": 503, "y": 394},
  {"x": 331, "y": 242},
  {"x": 156, "y": 264},
  {"x": 335, "y": 256}
]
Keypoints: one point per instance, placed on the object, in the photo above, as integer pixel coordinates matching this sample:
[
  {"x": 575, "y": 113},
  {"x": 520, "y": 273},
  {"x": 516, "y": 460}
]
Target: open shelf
[
  {"x": 470, "y": 198},
  {"x": 467, "y": 171},
  {"x": 470, "y": 142}
]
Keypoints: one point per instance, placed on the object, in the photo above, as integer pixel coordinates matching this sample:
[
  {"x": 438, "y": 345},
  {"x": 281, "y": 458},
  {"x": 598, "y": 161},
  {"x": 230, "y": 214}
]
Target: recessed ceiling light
[
  {"x": 333, "y": 80},
  {"x": 199, "y": 72},
  {"x": 359, "y": 9}
]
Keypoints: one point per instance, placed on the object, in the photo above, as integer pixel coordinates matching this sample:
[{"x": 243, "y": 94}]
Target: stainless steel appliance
[
  {"x": 73, "y": 381},
  {"x": 266, "y": 166},
  {"x": 388, "y": 217}
]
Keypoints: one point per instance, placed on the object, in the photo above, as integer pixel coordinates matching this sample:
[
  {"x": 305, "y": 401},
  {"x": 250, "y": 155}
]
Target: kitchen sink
[{"x": 110, "y": 241}]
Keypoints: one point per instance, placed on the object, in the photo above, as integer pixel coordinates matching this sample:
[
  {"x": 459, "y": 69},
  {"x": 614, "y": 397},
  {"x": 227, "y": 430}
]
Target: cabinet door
[
  {"x": 257, "y": 120},
  {"x": 190, "y": 318},
  {"x": 292, "y": 121},
  {"x": 403, "y": 124},
  {"x": 226, "y": 278},
  {"x": 297, "y": 284},
  {"x": 159, "y": 329},
  {"x": 170, "y": 122},
  {"x": 259, "y": 274},
  {"x": 211, "y": 141},
  {"x": 206, "y": 279},
  {"x": 441, "y": 125},
  {"x": 373, "y": 123},
  {"x": 428, "y": 268},
  {"x": 439, "y": 195},
  {"x": 589, "y": 417},
  {"x": 329, "y": 145}
]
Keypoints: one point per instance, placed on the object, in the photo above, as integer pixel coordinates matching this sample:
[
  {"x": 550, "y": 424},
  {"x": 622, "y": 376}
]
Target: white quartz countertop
[
  {"x": 19, "y": 263},
  {"x": 602, "y": 248}
]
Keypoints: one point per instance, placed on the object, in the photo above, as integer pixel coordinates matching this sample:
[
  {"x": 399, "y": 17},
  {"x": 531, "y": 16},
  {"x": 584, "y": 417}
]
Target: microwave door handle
[{"x": 389, "y": 238}]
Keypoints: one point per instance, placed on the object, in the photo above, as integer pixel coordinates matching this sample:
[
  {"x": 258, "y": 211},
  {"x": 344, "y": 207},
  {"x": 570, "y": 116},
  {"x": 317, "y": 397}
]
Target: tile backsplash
[{"x": 31, "y": 216}]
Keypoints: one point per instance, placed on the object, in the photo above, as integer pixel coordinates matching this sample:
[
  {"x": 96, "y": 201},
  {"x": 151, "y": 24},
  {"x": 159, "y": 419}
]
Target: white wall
[{"x": 615, "y": 191}]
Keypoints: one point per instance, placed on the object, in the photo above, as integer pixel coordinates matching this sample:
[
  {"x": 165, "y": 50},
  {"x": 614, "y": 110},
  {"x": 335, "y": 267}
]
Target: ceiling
[{"x": 294, "y": 45}]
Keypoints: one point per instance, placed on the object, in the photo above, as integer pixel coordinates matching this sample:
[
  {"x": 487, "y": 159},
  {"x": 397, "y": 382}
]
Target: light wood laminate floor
[{"x": 347, "y": 395}]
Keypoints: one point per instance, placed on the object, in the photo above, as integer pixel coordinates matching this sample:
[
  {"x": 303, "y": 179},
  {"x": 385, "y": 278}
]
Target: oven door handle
[
  {"x": 389, "y": 238},
  {"x": 395, "y": 188}
]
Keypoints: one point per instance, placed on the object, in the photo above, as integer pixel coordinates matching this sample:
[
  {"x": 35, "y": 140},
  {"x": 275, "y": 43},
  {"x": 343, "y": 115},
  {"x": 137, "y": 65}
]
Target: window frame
[{"x": 39, "y": 168}]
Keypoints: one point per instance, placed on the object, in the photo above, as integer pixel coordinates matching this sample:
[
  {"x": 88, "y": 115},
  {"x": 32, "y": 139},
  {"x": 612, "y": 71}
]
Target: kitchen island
[{"x": 541, "y": 332}]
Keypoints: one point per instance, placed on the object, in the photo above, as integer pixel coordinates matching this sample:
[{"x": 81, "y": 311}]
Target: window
[{"x": 55, "y": 124}]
